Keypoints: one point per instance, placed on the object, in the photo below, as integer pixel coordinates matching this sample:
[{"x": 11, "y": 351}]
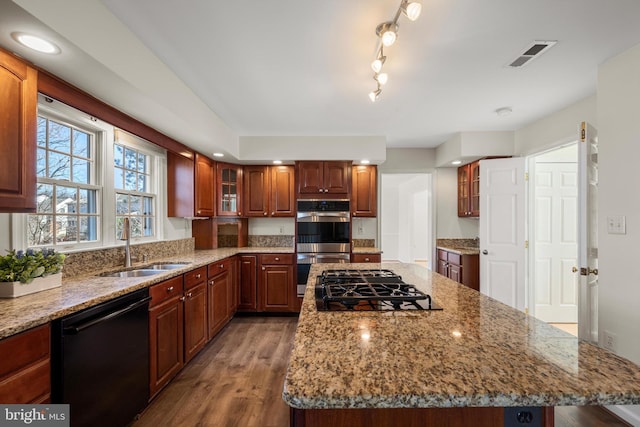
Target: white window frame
[{"x": 104, "y": 178}]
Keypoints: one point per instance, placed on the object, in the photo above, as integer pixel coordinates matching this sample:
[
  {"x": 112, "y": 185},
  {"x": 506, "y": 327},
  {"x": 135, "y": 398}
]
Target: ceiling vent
[{"x": 533, "y": 51}]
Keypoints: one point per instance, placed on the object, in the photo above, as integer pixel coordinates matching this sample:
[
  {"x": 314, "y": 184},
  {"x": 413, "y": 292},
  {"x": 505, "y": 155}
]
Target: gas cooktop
[{"x": 347, "y": 289}]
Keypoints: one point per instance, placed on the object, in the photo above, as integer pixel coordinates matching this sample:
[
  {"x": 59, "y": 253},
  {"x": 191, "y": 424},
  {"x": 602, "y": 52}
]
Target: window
[
  {"x": 134, "y": 199},
  {"x": 67, "y": 197}
]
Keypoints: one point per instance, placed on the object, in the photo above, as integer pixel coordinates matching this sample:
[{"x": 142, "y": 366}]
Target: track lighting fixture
[{"x": 388, "y": 33}]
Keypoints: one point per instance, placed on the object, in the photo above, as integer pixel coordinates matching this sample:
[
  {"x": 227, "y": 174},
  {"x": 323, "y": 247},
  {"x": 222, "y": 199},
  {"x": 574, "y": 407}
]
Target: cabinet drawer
[
  {"x": 23, "y": 349},
  {"x": 31, "y": 384},
  {"x": 442, "y": 254},
  {"x": 454, "y": 258},
  {"x": 366, "y": 258},
  {"x": 270, "y": 259},
  {"x": 165, "y": 291},
  {"x": 194, "y": 277},
  {"x": 218, "y": 267}
]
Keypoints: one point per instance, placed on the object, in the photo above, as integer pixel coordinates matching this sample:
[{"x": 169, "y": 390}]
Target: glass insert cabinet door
[{"x": 229, "y": 182}]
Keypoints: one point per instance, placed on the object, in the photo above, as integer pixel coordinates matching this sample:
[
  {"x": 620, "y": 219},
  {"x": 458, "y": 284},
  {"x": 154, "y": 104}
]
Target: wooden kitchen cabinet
[
  {"x": 248, "y": 281},
  {"x": 18, "y": 115},
  {"x": 166, "y": 332},
  {"x": 366, "y": 258},
  {"x": 228, "y": 189},
  {"x": 269, "y": 191},
  {"x": 190, "y": 186},
  {"x": 205, "y": 201},
  {"x": 276, "y": 284},
  {"x": 364, "y": 190},
  {"x": 324, "y": 179},
  {"x": 463, "y": 269},
  {"x": 469, "y": 190},
  {"x": 195, "y": 312},
  {"x": 219, "y": 295},
  {"x": 25, "y": 367}
]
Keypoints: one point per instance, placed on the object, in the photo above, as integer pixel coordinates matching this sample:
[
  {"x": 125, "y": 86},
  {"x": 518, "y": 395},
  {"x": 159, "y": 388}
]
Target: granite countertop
[
  {"x": 459, "y": 246},
  {"x": 462, "y": 250},
  {"x": 475, "y": 352},
  {"x": 366, "y": 250},
  {"x": 77, "y": 293}
]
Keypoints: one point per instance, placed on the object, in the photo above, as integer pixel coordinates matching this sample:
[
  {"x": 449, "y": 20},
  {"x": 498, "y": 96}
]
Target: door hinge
[
  {"x": 526, "y": 244},
  {"x": 583, "y": 132},
  {"x": 526, "y": 176},
  {"x": 526, "y": 310}
]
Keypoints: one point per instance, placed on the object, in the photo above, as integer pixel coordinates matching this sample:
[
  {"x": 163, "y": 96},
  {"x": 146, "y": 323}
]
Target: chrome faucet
[{"x": 126, "y": 236}]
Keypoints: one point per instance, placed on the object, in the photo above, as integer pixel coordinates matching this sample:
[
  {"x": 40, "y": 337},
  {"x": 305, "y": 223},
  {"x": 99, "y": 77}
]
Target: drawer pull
[
  {"x": 198, "y": 276},
  {"x": 221, "y": 266},
  {"x": 189, "y": 295},
  {"x": 264, "y": 213},
  {"x": 170, "y": 288},
  {"x": 211, "y": 282},
  {"x": 182, "y": 299},
  {"x": 366, "y": 260},
  {"x": 277, "y": 259}
]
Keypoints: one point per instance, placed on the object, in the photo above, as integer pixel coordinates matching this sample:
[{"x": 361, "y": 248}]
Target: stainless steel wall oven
[{"x": 323, "y": 230}]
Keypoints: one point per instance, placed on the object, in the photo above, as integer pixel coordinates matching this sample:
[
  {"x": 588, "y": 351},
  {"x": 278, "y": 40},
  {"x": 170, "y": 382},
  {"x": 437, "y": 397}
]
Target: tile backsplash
[{"x": 270, "y": 241}]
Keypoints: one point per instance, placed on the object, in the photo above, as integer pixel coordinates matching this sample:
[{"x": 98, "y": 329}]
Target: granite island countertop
[
  {"x": 475, "y": 352},
  {"x": 77, "y": 293}
]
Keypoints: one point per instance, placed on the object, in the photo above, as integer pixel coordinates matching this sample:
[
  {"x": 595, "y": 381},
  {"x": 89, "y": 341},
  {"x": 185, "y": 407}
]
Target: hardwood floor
[{"x": 237, "y": 381}]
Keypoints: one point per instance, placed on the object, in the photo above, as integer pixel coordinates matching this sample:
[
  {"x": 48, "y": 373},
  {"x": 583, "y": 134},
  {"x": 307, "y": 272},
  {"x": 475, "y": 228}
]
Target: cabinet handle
[
  {"x": 277, "y": 259},
  {"x": 221, "y": 266},
  {"x": 182, "y": 299},
  {"x": 239, "y": 213},
  {"x": 199, "y": 212},
  {"x": 211, "y": 282},
  {"x": 264, "y": 213},
  {"x": 263, "y": 268},
  {"x": 198, "y": 276},
  {"x": 354, "y": 214},
  {"x": 170, "y": 288},
  {"x": 273, "y": 213},
  {"x": 189, "y": 295},
  {"x": 366, "y": 260}
]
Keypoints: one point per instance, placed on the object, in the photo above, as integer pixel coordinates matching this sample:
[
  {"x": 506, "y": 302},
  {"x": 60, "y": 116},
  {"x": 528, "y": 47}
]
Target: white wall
[
  {"x": 619, "y": 151},
  {"x": 272, "y": 226},
  {"x": 448, "y": 225}
]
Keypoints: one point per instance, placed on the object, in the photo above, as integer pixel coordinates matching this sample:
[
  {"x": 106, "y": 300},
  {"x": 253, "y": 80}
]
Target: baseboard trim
[{"x": 626, "y": 413}]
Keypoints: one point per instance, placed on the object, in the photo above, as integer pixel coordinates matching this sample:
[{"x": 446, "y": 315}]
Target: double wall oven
[{"x": 323, "y": 230}]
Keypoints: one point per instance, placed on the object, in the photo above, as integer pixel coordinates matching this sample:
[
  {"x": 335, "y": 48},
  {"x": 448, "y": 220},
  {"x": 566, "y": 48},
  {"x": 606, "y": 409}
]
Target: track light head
[
  {"x": 388, "y": 33},
  {"x": 411, "y": 9}
]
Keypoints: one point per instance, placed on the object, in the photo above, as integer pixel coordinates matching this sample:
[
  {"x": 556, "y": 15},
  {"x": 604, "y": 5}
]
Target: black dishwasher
[{"x": 100, "y": 361}]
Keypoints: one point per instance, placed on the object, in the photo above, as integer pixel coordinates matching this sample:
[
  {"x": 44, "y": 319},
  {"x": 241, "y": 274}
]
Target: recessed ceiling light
[
  {"x": 365, "y": 162},
  {"x": 277, "y": 162},
  {"x": 36, "y": 43},
  {"x": 504, "y": 111},
  {"x": 456, "y": 162},
  {"x": 218, "y": 155}
]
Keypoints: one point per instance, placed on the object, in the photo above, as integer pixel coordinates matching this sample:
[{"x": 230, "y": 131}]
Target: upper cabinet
[
  {"x": 469, "y": 190},
  {"x": 228, "y": 189},
  {"x": 364, "y": 191},
  {"x": 269, "y": 191},
  {"x": 329, "y": 179},
  {"x": 18, "y": 112},
  {"x": 205, "y": 202},
  {"x": 180, "y": 186}
]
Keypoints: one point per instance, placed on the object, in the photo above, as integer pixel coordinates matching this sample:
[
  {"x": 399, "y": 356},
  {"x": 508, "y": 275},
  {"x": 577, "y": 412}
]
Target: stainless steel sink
[
  {"x": 133, "y": 273},
  {"x": 166, "y": 265}
]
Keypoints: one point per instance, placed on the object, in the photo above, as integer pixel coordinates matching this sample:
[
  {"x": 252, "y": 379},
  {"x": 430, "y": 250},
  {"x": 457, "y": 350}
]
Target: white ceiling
[{"x": 302, "y": 67}]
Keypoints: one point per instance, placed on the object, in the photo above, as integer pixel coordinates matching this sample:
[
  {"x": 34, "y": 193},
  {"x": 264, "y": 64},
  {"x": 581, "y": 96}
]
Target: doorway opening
[
  {"x": 553, "y": 237},
  {"x": 406, "y": 218}
]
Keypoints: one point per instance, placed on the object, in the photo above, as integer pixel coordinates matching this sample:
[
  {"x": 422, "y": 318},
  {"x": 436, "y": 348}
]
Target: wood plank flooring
[{"x": 237, "y": 381}]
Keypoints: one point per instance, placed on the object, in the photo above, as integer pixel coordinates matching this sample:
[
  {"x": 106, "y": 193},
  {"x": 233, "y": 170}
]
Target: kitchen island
[{"x": 458, "y": 366}]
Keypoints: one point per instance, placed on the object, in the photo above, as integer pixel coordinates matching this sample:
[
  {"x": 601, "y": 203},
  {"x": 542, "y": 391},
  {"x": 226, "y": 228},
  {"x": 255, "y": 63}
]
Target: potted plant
[{"x": 26, "y": 272}]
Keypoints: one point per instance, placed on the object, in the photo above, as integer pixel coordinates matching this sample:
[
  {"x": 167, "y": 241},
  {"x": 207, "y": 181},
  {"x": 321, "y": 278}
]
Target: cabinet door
[
  {"x": 463, "y": 191},
  {"x": 234, "y": 293},
  {"x": 474, "y": 189},
  {"x": 337, "y": 177},
  {"x": 310, "y": 177},
  {"x": 180, "y": 186},
  {"x": 276, "y": 288},
  {"x": 455, "y": 273},
  {"x": 248, "y": 283},
  {"x": 282, "y": 202},
  {"x": 195, "y": 320},
  {"x": 229, "y": 190},
  {"x": 366, "y": 258},
  {"x": 204, "y": 186},
  {"x": 364, "y": 191},
  {"x": 256, "y": 191},
  {"x": 442, "y": 267},
  {"x": 166, "y": 343},
  {"x": 18, "y": 111},
  {"x": 218, "y": 308}
]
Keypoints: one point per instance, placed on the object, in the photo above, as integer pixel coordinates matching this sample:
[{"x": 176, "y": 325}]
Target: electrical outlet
[
  {"x": 282, "y": 229},
  {"x": 609, "y": 340}
]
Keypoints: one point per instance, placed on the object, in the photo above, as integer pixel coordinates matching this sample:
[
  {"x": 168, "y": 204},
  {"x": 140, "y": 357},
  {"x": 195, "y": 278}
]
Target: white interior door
[
  {"x": 588, "y": 232},
  {"x": 502, "y": 230},
  {"x": 554, "y": 239}
]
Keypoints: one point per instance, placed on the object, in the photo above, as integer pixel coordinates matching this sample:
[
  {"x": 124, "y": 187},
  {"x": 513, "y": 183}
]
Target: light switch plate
[{"x": 617, "y": 224}]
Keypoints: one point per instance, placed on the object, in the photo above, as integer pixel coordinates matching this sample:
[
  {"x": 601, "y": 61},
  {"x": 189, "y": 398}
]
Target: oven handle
[
  {"x": 323, "y": 216},
  {"x": 328, "y": 258}
]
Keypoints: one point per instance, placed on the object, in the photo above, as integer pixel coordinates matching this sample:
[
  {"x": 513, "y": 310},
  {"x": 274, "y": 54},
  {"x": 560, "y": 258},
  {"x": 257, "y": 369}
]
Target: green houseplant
[{"x": 24, "y": 266}]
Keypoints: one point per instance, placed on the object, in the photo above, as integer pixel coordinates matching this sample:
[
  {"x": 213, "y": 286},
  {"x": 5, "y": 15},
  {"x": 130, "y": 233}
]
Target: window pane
[
  {"x": 39, "y": 230},
  {"x": 41, "y": 163},
  {"x": 148, "y": 226},
  {"x": 142, "y": 163},
  {"x": 130, "y": 182},
  {"x": 142, "y": 183},
  {"x": 44, "y": 197},
  {"x": 118, "y": 155},
  {"x": 88, "y": 228},
  {"x": 81, "y": 171},
  {"x": 59, "y": 166},
  {"x": 118, "y": 179},
  {"x": 88, "y": 201},
  {"x": 59, "y": 137},
  {"x": 136, "y": 226},
  {"x": 122, "y": 204},
  {"x": 67, "y": 228},
  {"x": 130, "y": 159},
  {"x": 66, "y": 198},
  {"x": 148, "y": 206},
  {"x": 225, "y": 174},
  {"x": 42, "y": 132},
  {"x": 119, "y": 222},
  {"x": 135, "y": 205},
  {"x": 81, "y": 144},
  {"x": 234, "y": 175}
]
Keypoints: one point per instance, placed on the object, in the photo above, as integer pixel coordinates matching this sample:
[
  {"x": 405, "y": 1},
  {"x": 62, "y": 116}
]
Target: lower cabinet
[
  {"x": 166, "y": 332},
  {"x": 25, "y": 367},
  {"x": 219, "y": 295},
  {"x": 248, "y": 278},
  {"x": 463, "y": 269},
  {"x": 366, "y": 258},
  {"x": 276, "y": 285}
]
